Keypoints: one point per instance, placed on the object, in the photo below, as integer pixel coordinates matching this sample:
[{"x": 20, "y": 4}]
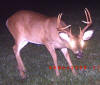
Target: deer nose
[{"x": 79, "y": 54}]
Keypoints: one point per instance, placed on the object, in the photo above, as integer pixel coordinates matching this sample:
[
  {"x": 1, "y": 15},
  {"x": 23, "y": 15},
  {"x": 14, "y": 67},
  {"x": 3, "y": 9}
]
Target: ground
[{"x": 37, "y": 59}]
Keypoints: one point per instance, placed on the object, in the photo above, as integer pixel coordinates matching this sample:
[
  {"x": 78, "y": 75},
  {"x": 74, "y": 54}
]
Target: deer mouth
[{"x": 79, "y": 55}]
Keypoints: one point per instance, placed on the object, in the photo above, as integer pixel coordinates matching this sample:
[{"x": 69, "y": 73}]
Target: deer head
[{"x": 76, "y": 44}]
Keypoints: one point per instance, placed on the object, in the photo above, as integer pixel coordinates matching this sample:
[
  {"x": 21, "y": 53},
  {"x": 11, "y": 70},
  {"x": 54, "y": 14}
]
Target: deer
[{"x": 31, "y": 27}]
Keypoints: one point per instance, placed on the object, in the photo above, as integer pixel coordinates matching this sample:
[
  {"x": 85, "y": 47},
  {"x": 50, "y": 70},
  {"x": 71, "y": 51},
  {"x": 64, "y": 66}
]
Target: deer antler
[
  {"x": 88, "y": 21},
  {"x": 58, "y": 20},
  {"x": 59, "y": 27}
]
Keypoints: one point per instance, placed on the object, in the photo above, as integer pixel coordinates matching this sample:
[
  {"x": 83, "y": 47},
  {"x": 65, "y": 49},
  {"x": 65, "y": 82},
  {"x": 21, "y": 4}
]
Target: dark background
[
  {"x": 48, "y": 8},
  {"x": 10, "y": 6}
]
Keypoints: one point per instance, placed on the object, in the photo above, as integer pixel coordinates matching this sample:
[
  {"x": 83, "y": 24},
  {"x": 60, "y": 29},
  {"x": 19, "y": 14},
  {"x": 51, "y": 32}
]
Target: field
[{"x": 37, "y": 59}]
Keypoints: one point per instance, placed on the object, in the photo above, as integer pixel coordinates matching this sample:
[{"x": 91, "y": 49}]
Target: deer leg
[
  {"x": 67, "y": 57},
  {"x": 17, "y": 47},
  {"x": 54, "y": 56}
]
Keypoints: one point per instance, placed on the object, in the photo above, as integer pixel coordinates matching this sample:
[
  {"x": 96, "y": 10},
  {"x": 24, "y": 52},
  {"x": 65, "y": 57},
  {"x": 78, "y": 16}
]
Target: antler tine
[
  {"x": 88, "y": 19},
  {"x": 59, "y": 24},
  {"x": 86, "y": 16},
  {"x": 58, "y": 20},
  {"x": 63, "y": 28},
  {"x": 60, "y": 15},
  {"x": 89, "y": 16}
]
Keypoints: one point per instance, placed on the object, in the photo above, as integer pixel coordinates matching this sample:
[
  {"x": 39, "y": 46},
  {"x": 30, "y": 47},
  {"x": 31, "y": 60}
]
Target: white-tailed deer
[{"x": 28, "y": 26}]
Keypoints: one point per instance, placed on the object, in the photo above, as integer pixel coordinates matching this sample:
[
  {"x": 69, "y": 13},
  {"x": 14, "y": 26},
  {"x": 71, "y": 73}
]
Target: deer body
[
  {"x": 35, "y": 28},
  {"x": 28, "y": 26}
]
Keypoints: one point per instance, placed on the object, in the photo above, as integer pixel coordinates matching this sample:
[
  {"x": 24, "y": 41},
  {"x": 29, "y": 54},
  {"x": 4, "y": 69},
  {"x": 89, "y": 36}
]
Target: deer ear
[
  {"x": 64, "y": 36},
  {"x": 88, "y": 34}
]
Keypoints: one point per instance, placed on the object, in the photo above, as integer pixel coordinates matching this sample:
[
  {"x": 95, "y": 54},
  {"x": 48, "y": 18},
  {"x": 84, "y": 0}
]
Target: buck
[{"x": 27, "y": 26}]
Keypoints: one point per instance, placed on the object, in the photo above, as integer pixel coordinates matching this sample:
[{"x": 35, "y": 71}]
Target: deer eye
[
  {"x": 82, "y": 43},
  {"x": 72, "y": 43}
]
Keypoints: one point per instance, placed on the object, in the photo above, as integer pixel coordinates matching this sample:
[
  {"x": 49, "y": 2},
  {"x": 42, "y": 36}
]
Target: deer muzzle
[{"x": 79, "y": 54}]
